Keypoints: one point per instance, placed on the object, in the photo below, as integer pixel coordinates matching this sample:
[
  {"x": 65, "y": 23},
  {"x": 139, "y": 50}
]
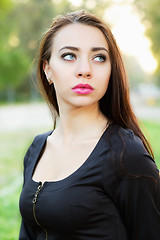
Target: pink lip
[{"x": 82, "y": 89}]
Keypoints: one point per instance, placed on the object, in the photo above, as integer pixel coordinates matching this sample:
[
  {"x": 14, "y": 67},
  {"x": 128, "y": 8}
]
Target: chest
[
  {"x": 70, "y": 208},
  {"x": 76, "y": 206},
  {"x": 56, "y": 163}
]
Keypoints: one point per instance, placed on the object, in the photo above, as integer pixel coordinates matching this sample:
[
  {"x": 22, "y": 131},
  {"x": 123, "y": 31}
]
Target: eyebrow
[
  {"x": 94, "y": 49},
  {"x": 99, "y": 48}
]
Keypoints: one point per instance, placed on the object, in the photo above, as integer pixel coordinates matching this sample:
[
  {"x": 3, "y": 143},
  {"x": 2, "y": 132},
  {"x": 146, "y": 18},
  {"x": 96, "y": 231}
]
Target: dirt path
[{"x": 24, "y": 116}]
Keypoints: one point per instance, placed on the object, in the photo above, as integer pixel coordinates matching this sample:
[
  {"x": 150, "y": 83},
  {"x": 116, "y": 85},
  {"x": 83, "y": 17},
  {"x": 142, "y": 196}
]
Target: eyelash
[
  {"x": 74, "y": 56},
  {"x": 101, "y": 56},
  {"x": 67, "y": 54}
]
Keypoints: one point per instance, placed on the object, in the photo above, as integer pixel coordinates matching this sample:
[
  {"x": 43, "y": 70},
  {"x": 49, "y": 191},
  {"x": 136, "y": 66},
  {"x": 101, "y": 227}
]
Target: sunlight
[
  {"x": 122, "y": 1},
  {"x": 130, "y": 34},
  {"x": 76, "y": 3},
  {"x": 90, "y": 4},
  {"x": 14, "y": 41}
]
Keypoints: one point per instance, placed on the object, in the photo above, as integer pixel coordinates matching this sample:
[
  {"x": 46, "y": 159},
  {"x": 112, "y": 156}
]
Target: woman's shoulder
[
  {"x": 120, "y": 137},
  {"x": 132, "y": 154},
  {"x": 126, "y": 137},
  {"x": 40, "y": 138},
  {"x": 37, "y": 144}
]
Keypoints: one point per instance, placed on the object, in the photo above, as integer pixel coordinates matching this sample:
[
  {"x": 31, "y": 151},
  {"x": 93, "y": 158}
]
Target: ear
[{"x": 46, "y": 69}]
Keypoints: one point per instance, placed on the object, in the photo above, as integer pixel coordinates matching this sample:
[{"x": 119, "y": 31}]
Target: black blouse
[{"x": 114, "y": 195}]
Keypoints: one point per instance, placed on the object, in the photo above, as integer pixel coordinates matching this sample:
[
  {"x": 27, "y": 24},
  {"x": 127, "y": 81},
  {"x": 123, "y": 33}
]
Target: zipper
[{"x": 34, "y": 206}]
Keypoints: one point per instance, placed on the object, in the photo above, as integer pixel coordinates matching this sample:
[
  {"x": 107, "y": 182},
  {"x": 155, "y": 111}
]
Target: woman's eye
[
  {"x": 100, "y": 58},
  {"x": 68, "y": 56}
]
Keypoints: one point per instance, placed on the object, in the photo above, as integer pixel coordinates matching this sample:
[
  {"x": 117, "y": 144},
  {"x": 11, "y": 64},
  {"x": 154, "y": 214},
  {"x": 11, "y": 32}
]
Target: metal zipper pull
[
  {"x": 34, "y": 205},
  {"x": 37, "y": 192}
]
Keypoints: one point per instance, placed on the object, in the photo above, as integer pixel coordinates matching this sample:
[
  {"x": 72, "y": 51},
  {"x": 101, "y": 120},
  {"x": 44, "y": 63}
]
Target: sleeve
[{"x": 136, "y": 193}]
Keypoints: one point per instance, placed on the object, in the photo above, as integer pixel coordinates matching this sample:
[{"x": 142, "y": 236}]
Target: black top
[{"x": 114, "y": 195}]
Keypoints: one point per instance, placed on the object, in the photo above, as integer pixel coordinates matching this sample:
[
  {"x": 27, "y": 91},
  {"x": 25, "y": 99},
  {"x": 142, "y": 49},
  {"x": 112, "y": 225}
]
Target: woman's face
[{"x": 79, "y": 65}]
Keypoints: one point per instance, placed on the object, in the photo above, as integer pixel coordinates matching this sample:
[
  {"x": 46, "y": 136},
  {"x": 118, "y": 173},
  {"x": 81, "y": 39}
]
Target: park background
[{"x": 23, "y": 113}]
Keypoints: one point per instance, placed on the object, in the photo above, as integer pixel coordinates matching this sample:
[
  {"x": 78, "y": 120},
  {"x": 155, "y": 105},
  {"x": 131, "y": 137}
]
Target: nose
[
  {"x": 84, "y": 70},
  {"x": 84, "y": 75}
]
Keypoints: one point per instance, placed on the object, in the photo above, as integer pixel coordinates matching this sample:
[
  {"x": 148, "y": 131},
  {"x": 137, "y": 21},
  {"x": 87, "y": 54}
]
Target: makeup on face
[
  {"x": 83, "y": 89},
  {"x": 94, "y": 49},
  {"x": 80, "y": 66},
  {"x": 70, "y": 53}
]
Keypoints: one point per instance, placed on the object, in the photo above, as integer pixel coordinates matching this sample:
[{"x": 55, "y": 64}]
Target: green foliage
[
  {"x": 5, "y": 7},
  {"x": 13, "y": 68},
  {"x": 22, "y": 24}
]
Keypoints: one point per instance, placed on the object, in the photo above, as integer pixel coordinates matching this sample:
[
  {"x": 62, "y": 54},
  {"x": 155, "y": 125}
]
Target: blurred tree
[
  {"x": 21, "y": 26},
  {"x": 150, "y": 14},
  {"x": 9, "y": 57}
]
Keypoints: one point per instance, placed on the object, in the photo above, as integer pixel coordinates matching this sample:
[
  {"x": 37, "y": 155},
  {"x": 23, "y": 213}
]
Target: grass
[
  {"x": 10, "y": 218},
  {"x": 13, "y": 147},
  {"x": 151, "y": 130}
]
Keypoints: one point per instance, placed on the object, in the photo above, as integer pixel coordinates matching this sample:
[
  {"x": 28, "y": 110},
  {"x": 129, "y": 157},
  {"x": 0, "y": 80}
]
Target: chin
[{"x": 84, "y": 103}]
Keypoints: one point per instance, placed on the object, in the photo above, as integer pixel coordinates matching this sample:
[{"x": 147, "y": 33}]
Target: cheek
[
  {"x": 104, "y": 88},
  {"x": 103, "y": 78},
  {"x": 102, "y": 84},
  {"x": 61, "y": 72},
  {"x": 107, "y": 74},
  {"x": 61, "y": 83}
]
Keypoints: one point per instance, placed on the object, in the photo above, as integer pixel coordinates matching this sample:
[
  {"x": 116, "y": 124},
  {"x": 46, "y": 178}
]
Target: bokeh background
[{"x": 23, "y": 113}]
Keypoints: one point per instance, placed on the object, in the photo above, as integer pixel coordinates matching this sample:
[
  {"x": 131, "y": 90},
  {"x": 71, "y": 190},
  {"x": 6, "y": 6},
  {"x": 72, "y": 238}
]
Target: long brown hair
[{"x": 115, "y": 104}]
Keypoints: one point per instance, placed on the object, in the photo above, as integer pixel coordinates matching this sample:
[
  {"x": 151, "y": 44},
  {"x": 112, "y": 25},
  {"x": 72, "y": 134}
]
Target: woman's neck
[{"x": 81, "y": 123}]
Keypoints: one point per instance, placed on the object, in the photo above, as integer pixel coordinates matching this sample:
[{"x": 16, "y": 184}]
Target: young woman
[{"x": 92, "y": 177}]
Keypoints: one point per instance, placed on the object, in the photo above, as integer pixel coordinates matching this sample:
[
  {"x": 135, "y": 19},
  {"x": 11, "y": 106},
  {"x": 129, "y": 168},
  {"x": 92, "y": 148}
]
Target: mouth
[{"x": 83, "y": 89}]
